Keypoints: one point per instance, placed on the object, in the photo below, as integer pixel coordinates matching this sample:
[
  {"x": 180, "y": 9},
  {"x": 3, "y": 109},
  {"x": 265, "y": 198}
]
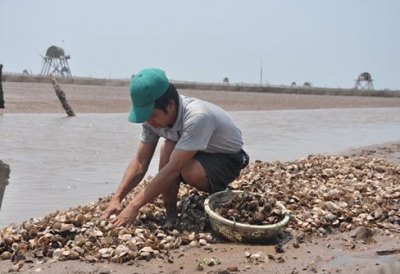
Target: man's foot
[{"x": 170, "y": 223}]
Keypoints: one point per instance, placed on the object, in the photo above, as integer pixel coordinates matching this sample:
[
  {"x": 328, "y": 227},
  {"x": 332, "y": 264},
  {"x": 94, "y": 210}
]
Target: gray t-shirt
[{"x": 199, "y": 126}]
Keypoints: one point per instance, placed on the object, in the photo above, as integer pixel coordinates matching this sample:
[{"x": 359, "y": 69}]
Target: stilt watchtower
[
  {"x": 364, "y": 81},
  {"x": 56, "y": 63}
]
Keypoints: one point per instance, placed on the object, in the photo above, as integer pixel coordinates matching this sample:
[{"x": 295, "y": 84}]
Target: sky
[{"x": 326, "y": 43}]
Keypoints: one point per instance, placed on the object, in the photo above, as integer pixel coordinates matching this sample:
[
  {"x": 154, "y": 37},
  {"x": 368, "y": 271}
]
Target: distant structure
[
  {"x": 364, "y": 81},
  {"x": 293, "y": 84},
  {"x": 307, "y": 84},
  {"x": 56, "y": 63},
  {"x": 225, "y": 81}
]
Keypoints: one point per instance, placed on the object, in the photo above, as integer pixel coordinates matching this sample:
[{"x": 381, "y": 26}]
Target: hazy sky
[{"x": 327, "y": 43}]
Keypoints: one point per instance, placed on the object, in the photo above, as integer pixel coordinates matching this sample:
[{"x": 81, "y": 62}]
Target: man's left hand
[{"x": 126, "y": 218}]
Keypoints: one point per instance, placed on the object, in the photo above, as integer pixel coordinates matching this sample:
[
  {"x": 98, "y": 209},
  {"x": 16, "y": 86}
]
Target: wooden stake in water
[
  {"x": 61, "y": 97},
  {"x": 4, "y": 175},
  {"x": 1, "y": 88}
]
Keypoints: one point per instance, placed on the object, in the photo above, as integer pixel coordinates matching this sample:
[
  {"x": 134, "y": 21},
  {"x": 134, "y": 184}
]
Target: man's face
[{"x": 160, "y": 119}]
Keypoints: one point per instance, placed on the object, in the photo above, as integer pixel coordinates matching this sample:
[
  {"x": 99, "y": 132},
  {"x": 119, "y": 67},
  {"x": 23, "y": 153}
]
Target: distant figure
[
  {"x": 225, "y": 81},
  {"x": 25, "y": 72}
]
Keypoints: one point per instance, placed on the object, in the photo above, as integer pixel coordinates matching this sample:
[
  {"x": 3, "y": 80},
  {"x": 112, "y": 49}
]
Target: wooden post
[
  {"x": 61, "y": 96},
  {"x": 1, "y": 87},
  {"x": 4, "y": 175}
]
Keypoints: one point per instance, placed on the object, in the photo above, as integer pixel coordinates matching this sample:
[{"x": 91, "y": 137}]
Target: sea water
[{"x": 58, "y": 162}]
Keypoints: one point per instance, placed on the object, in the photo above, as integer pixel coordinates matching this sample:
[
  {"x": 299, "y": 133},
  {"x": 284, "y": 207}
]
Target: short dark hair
[{"x": 162, "y": 102}]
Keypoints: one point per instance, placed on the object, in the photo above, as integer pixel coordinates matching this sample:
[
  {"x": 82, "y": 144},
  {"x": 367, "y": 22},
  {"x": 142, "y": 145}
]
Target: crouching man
[{"x": 203, "y": 147}]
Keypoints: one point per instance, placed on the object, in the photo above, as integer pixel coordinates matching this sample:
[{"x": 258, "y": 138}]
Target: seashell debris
[
  {"x": 323, "y": 194},
  {"x": 251, "y": 208}
]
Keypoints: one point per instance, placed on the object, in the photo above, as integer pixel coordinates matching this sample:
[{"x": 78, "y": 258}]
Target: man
[{"x": 202, "y": 147}]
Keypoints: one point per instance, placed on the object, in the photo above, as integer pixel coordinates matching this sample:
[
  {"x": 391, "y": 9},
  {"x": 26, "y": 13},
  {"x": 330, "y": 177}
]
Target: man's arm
[
  {"x": 134, "y": 173},
  {"x": 162, "y": 181}
]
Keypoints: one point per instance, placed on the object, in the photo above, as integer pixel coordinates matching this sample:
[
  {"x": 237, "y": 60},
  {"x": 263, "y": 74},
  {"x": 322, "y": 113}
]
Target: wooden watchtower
[
  {"x": 56, "y": 63},
  {"x": 364, "y": 81}
]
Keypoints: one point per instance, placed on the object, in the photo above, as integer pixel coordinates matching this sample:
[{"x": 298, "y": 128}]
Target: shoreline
[
  {"x": 236, "y": 87},
  {"x": 41, "y": 98},
  {"x": 389, "y": 151}
]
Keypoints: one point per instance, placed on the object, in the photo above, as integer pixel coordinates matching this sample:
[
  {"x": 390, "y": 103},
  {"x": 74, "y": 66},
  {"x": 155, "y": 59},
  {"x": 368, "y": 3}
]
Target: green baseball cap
[{"x": 145, "y": 88}]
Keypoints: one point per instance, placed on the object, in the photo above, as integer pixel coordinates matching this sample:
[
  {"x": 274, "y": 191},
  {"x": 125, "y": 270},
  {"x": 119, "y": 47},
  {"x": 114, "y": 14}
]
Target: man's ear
[{"x": 171, "y": 103}]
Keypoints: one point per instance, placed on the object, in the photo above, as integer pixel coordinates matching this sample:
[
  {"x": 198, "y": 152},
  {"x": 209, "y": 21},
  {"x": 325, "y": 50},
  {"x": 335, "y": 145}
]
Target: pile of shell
[
  {"x": 325, "y": 193},
  {"x": 322, "y": 193},
  {"x": 251, "y": 208},
  {"x": 79, "y": 233}
]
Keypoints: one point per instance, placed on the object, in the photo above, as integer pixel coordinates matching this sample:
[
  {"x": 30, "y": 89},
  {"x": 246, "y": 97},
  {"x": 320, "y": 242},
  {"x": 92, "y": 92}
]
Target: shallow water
[{"x": 59, "y": 162}]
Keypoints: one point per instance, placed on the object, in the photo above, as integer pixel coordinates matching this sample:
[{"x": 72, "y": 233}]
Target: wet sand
[
  {"x": 41, "y": 98},
  {"x": 337, "y": 253}
]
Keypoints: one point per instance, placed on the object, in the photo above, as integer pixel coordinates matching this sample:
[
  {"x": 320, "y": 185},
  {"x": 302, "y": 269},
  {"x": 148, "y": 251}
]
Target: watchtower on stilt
[
  {"x": 56, "y": 63},
  {"x": 364, "y": 81}
]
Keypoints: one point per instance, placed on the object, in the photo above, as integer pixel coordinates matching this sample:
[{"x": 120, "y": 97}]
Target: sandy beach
[
  {"x": 41, "y": 98},
  {"x": 315, "y": 255}
]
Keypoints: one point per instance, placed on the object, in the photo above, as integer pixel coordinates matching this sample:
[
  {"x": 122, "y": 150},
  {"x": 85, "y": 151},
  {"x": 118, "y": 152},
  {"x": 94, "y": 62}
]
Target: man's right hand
[{"x": 113, "y": 208}]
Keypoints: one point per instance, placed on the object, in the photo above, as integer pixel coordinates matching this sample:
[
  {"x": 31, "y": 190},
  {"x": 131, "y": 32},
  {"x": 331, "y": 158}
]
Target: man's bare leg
[
  {"x": 170, "y": 196},
  {"x": 195, "y": 175}
]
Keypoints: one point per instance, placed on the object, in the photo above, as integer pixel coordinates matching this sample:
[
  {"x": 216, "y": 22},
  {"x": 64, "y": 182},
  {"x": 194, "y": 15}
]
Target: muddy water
[{"x": 58, "y": 162}]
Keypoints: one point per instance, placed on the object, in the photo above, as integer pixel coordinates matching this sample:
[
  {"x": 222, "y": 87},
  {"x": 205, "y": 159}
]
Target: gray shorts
[{"x": 222, "y": 168}]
